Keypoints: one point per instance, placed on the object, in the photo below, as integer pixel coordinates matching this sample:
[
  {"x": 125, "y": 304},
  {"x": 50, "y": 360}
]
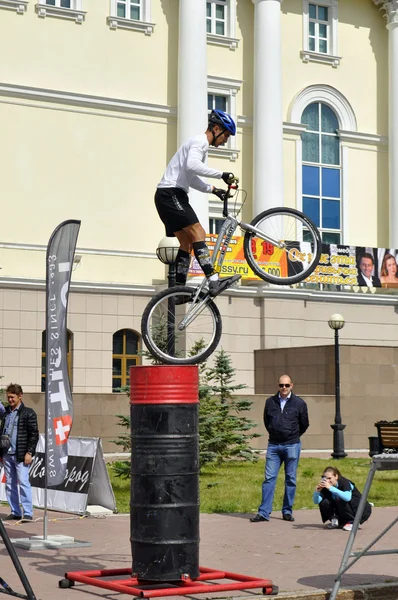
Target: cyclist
[{"x": 172, "y": 202}]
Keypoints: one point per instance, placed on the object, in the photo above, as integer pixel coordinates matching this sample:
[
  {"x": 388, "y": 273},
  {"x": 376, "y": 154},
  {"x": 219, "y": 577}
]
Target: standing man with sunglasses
[{"x": 285, "y": 419}]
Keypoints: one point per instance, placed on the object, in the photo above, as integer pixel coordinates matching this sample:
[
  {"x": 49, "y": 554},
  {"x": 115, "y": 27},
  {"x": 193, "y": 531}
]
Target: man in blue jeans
[
  {"x": 19, "y": 423},
  {"x": 285, "y": 419}
]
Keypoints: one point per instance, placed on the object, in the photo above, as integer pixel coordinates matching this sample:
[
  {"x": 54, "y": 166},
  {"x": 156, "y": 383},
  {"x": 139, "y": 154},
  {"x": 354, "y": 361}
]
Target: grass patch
[
  {"x": 236, "y": 486},
  {"x": 121, "y": 489}
]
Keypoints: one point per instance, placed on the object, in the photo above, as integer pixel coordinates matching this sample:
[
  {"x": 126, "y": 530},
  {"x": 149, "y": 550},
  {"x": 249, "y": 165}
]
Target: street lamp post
[
  {"x": 167, "y": 253},
  {"x": 336, "y": 322}
]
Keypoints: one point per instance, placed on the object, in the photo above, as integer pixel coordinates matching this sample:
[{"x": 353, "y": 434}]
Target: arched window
[
  {"x": 69, "y": 356},
  {"x": 321, "y": 171},
  {"x": 126, "y": 346}
]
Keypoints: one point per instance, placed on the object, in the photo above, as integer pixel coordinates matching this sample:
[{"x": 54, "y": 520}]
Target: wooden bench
[{"x": 388, "y": 434}]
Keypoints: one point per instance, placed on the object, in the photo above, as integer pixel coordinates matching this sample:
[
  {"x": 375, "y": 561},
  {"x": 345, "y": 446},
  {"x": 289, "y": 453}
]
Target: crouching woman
[{"x": 338, "y": 500}]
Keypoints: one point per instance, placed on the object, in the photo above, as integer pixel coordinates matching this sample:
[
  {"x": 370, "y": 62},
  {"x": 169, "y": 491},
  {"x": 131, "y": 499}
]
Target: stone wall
[
  {"x": 368, "y": 386},
  {"x": 96, "y": 416}
]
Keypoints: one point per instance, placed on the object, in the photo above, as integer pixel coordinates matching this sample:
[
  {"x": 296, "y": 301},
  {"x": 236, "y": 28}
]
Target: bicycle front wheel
[
  {"x": 280, "y": 257},
  {"x": 181, "y": 334}
]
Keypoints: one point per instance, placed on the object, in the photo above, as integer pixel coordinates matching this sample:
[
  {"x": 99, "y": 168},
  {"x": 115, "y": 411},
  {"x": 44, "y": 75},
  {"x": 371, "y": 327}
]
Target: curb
[{"x": 384, "y": 591}]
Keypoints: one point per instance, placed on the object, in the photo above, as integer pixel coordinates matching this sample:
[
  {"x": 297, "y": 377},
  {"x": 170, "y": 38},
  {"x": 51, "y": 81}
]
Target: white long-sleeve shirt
[{"x": 187, "y": 164}]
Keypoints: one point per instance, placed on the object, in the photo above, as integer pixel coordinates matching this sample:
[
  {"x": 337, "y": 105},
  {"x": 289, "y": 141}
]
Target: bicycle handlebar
[{"x": 232, "y": 186}]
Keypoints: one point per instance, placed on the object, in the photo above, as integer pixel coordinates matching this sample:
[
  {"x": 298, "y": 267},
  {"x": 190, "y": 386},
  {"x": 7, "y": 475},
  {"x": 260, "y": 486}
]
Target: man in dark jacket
[
  {"x": 285, "y": 419},
  {"x": 20, "y": 425}
]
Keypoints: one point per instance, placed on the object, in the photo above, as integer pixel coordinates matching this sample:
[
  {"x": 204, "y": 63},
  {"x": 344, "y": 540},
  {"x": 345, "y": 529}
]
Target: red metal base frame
[{"x": 135, "y": 587}]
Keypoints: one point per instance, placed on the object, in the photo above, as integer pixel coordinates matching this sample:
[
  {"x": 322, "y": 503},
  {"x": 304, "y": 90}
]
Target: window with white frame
[
  {"x": 320, "y": 28},
  {"x": 129, "y": 9},
  {"x": 215, "y": 225},
  {"x": 220, "y": 22},
  {"x": 321, "y": 171},
  {"x": 216, "y": 17},
  {"x": 131, "y": 14},
  {"x": 217, "y": 102},
  {"x": 74, "y": 4},
  {"x": 322, "y": 168},
  {"x": 221, "y": 95},
  {"x": 63, "y": 9}
]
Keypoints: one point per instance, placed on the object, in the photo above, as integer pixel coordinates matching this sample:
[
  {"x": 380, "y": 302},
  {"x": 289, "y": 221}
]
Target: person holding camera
[
  {"x": 338, "y": 500},
  {"x": 19, "y": 434}
]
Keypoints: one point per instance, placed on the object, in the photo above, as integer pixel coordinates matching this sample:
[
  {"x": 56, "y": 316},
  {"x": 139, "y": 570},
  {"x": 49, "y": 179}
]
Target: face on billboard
[
  {"x": 366, "y": 266},
  {"x": 391, "y": 266}
]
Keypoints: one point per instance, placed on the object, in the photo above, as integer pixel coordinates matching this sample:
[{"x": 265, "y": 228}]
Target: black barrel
[{"x": 164, "y": 508}]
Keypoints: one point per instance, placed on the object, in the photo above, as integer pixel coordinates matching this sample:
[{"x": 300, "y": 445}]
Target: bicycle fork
[{"x": 195, "y": 310}]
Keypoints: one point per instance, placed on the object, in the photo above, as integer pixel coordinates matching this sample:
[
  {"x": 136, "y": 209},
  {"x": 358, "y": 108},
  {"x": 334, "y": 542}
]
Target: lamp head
[
  {"x": 167, "y": 250},
  {"x": 336, "y": 321}
]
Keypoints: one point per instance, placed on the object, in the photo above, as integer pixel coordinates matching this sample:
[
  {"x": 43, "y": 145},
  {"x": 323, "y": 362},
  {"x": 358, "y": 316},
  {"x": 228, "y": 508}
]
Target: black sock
[
  {"x": 182, "y": 266},
  {"x": 202, "y": 255}
]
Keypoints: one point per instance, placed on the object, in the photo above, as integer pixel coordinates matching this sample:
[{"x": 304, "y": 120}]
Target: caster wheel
[
  {"x": 65, "y": 583},
  {"x": 275, "y": 590}
]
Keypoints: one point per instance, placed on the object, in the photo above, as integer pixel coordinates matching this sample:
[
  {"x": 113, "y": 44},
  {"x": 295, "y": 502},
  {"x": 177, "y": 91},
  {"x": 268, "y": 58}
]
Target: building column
[
  {"x": 192, "y": 85},
  {"x": 268, "y": 118},
  {"x": 392, "y": 26}
]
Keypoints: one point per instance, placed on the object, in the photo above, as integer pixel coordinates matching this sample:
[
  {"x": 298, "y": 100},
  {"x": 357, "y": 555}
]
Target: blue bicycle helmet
[{"x": 219, "y": 117}]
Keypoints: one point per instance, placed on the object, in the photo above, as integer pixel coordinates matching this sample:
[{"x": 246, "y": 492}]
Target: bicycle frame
[
  {"x": 224, "y": 237},
  {"x": 228, "y": 229}
]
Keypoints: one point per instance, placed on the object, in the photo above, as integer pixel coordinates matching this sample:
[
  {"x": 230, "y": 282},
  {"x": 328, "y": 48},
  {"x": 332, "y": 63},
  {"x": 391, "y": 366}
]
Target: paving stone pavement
[{"x": 299, "y": 557}]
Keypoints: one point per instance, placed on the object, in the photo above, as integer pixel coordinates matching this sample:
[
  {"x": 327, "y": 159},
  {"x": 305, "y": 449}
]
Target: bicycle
[{"x": 188, "y": 333}]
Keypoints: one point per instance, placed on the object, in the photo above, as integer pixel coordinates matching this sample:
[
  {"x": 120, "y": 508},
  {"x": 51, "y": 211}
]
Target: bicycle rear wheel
[
  {"x": 296, "y": 260},
  {"x": 167, "y": 340}
]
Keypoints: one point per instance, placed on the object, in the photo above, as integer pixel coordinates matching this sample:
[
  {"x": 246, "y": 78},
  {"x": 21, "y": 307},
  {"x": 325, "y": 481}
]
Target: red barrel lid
[{"x": 164, "y": 384}]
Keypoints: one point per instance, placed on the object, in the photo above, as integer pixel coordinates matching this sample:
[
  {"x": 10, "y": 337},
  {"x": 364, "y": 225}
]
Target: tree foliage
[
  {"x": 224, "y": 432},
  {"x": 160, "y": 336}
]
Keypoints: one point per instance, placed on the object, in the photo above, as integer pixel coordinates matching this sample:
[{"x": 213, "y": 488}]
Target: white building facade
[{"x": 96, "y": 96}]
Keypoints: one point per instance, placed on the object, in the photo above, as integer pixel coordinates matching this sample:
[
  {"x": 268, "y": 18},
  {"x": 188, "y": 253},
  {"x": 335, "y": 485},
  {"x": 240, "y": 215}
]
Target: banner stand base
[
  {"x": 95, "y": 509},
  {"x": 52, "y": 542}
]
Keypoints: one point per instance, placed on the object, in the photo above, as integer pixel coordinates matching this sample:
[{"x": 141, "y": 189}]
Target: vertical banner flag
[{"x": 59, "y": 404}]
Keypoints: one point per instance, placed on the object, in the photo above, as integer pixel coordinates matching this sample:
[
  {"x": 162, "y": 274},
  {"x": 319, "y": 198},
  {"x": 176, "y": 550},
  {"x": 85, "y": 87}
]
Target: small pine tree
[
  {"x": 159, "y": 334},
  {"x": 124, "y": 440},
  {"x": 224, "y": 433}
]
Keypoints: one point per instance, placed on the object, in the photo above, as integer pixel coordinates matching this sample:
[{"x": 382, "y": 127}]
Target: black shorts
[{"x": 174, "y": 209}]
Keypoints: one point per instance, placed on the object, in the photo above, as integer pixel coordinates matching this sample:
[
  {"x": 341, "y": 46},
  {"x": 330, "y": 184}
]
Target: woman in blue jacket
[{"x": 338, "y": 500}]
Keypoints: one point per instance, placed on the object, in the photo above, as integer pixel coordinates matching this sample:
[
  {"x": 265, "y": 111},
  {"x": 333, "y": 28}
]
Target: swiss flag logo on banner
[{"x": 62, "y": 427}]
